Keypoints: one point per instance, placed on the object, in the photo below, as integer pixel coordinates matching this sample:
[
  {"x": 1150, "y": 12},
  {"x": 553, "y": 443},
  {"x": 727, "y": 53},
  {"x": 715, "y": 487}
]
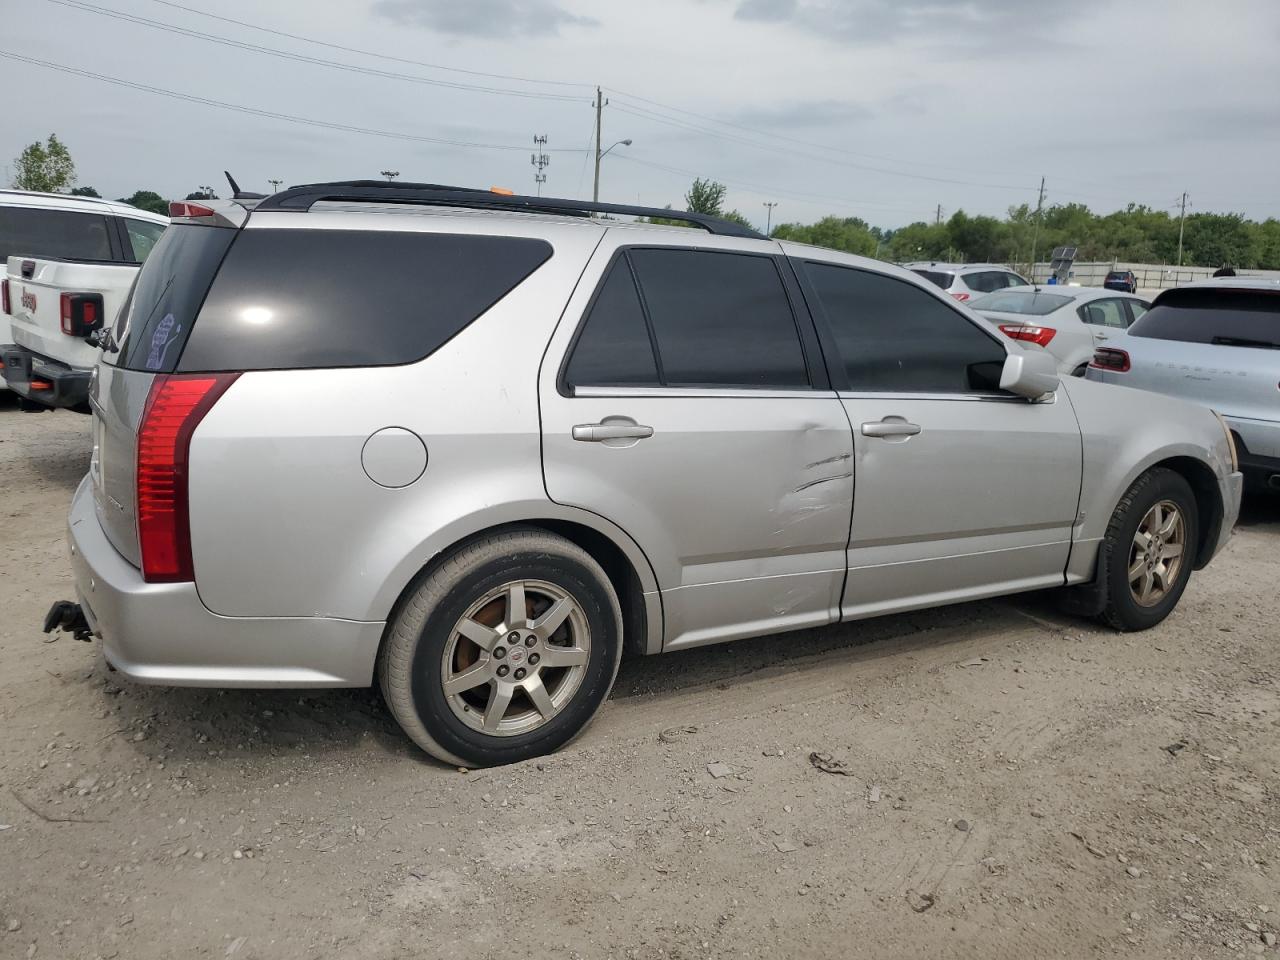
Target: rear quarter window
[
  {"x": 1225, "y": 317},
  {"x": 53, "y": 234},
  {"x": 288, "y": 299}
]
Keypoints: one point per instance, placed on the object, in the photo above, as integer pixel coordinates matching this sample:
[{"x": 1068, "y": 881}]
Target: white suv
[
  {"x": 67, "y": 264},
  {"x": 965, "y": 281}
]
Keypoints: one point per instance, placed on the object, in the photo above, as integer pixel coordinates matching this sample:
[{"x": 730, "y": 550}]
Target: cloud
[
  {"x": 483, "y": 18},
  {"x": 766, "y": 11},
  {"x": 866, "y": 21},
  {"x": 799, "y": 114}
]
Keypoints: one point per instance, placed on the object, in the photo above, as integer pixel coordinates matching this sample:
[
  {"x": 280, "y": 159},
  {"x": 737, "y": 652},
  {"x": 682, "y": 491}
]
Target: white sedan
[{"x": 1067, "y": 322}]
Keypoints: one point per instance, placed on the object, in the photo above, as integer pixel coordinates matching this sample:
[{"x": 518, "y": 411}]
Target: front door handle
[
  {"x": 890, "y": 427},
  {"x": 615, "y": 430}
]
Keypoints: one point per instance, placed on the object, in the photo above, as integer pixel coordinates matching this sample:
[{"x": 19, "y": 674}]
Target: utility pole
[
  {"x": 768, "y": 217},
  {"x": 1035, "y": 234},
  {"x": 390, "y": 174},
  {"x": 599, "y": 105},
  {"x": 937, "y": 217},
  {"x": 275, "y": 185},
  {"x": 539, "y": 159},
  {"x": 1182, "y": 222}
]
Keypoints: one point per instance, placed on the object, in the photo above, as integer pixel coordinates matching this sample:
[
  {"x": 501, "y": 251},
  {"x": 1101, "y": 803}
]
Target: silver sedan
[{"x": 1067, "y": 322}]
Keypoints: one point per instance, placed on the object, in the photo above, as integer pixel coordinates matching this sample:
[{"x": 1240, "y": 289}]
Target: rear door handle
[
  {"x": 890, "y": 427},
  {"x": 599, "y": 432}
]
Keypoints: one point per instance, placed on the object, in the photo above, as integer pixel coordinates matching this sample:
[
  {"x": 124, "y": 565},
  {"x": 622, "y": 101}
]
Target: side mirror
[{"x": 1029, "y": 373}]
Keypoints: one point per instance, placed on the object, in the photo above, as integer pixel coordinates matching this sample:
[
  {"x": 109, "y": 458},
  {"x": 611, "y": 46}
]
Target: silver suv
[
  {"x": 966, "y": 281},
  {"x": 478, "y": 445}
]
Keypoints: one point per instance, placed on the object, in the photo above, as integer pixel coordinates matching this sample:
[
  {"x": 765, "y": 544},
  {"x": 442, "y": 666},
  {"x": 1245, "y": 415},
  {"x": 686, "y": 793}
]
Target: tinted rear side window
[
  {"x": 57, "y": 234},
  {"x": 720, "y": 319},
  {"x": 614, "y": 348},
  {"x": 894, "y": 337},
  {"x": 156, "y": 319},
  {"x": 937, "y": 277},
  {"x": 346, "y": 298},
  {"x": 1240, "y": 318}
]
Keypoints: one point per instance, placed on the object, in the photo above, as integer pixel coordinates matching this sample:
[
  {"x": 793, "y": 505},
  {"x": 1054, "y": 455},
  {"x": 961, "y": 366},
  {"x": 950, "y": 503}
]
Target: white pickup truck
[{"x": 69, "y": 265}]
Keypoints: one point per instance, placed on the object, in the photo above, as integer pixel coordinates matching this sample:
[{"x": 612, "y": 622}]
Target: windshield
[
  {"x": 1020, "y": 301},
  {"x": 1232, "y": 318},
  {"x": 944, "y": 280}
]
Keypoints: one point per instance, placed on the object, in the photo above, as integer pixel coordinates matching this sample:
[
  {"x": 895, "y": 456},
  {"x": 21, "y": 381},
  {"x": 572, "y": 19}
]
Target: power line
[
  {"x": 367, "y": 53},
  {"x": 303, "y": 58},
  {"x": 783, "y": 151},
  {"x": 270, "y": 114},
  {"x": 768, "y": 189}
]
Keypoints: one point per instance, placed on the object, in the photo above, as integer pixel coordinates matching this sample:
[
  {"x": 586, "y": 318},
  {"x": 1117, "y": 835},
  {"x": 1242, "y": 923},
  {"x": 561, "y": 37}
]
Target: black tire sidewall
[
  {"x": 427, "y": 693},
  {"x": 1165, "y": 485}
]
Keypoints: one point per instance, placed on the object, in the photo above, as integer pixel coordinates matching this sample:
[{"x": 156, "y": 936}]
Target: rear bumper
[
  {"x": 162, "y": 633},
  {"x": 42, "y": 380}
]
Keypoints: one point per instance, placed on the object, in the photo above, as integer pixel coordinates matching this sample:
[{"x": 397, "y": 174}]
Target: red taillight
[
  {"x": 81, "y": 313},
  {"x": 4, "y": 297},
  {"x": 180, "y": 208},
  {"x": 1021, "y": 331},
  {"x": 1109, "y": 358},
  {"x": 962, "y": 297},
  {"x": 174, "y": 409}
]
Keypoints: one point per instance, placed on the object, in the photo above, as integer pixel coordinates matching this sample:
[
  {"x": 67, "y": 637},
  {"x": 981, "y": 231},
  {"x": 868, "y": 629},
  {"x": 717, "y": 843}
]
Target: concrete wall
[{"x": 1152, "y": 277}]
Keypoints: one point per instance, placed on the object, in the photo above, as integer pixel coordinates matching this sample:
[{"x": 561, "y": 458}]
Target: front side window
[
  {"x": 53, "y": 234},
  {"x": 719, "y": 319},
  {"x": 894, "y": 337},
  {"x": 143, "y": 236}
]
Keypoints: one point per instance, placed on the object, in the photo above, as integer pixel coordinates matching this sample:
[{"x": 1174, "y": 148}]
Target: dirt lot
[{"x": 1018, "y": 785}]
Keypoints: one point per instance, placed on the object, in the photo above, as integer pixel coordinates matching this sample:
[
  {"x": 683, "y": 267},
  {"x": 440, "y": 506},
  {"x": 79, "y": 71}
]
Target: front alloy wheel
[{"x": 1155, "y": 559}]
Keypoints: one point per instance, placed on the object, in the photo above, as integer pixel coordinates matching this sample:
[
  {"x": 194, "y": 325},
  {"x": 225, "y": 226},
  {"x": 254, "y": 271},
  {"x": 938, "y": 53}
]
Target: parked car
[
  {"x": 479, "y": 448},
  {"x": 1125, "y": 280},
  {"x": 1215, "y": 342},
  {"x": 69, "y": 264},
  {"x": 967, "y": 280},
  {"x": 1067, "y": 322}
]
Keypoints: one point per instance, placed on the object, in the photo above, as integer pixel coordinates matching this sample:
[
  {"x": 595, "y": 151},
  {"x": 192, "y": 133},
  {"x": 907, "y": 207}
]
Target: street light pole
[
  {"x": 275, "y": 185},
  {"x": 768, "y": 220},
  {"x": 390, "y": 174},
  {"x": 595, "y": 188},
  {"x": 600, "y": 155}
]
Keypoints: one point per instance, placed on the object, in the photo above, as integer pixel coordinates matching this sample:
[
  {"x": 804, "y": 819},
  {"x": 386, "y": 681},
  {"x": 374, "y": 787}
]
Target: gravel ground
[{"x": 994, "y": 780}]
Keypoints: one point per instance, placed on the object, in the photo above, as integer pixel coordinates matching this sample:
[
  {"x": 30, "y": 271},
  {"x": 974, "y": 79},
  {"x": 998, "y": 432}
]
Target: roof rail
[{"x": 301, "y": 198}]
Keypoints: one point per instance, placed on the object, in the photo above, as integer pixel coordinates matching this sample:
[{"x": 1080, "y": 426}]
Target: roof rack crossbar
[{"x": 301, "y": 198}]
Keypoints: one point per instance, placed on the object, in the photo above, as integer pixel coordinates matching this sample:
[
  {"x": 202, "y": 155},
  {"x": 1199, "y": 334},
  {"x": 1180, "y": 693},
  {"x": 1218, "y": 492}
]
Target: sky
[{"x": 879, "y": 109}]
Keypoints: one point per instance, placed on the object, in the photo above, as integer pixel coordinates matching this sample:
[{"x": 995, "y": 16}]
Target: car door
[
  {"x": 1105, "y": 317},
  {"x": 961, "y": 490},
  {"x": 689, "y": 407}
]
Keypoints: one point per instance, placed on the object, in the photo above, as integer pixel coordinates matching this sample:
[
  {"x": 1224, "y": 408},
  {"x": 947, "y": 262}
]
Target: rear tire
[
  {"x": 505, "y": 651},
  {"x": 1148, "y": 551}
]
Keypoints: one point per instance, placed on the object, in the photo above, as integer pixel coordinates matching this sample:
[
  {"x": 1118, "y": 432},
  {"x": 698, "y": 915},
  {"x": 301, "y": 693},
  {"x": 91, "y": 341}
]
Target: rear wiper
[{"x": 1245, "y": 342}]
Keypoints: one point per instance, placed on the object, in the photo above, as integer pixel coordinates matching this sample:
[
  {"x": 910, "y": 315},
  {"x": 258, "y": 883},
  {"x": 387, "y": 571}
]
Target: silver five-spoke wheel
[
  {"x": 515, "y": 658},
  {"x": 1155, "y": 558}
]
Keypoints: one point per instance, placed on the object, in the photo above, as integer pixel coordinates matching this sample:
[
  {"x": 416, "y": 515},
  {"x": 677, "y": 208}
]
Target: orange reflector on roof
[{"x": 502, "y": 190}]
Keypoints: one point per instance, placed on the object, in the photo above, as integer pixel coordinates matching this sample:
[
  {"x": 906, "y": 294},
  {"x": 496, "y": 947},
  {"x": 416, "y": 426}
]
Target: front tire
[
  {"x": 505, "y": 651},
  {"x": 1149, "y": 550}
]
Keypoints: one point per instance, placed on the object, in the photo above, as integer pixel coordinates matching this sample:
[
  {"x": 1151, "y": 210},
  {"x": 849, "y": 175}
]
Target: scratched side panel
[{"x": 741, "y": 503}]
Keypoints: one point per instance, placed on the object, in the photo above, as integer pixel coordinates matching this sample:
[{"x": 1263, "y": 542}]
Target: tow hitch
[{"x": 65, "y": 615}]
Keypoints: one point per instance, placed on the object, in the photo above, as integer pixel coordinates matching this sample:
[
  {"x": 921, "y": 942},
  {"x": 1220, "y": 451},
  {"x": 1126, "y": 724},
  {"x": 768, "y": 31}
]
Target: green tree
[
  {"x": 46, "y": 167},
  {"x": 148, "y": 200},
  {"x": 85, "y": 192},
  {"x": 705, "y": 196},
  {"x": 920, "y": 241},
  {"x": 1215, "y": 239},
  {"x": 849, "y": 234}
]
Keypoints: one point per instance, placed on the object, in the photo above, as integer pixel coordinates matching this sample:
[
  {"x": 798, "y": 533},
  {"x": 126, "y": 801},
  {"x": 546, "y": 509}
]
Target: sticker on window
[{"x": 166, "y": 332}]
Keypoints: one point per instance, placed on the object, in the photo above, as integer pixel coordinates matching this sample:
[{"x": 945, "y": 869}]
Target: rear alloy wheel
[
  {"x": 505, "y": 651},
  {"x": 1148, "y": 552}
]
